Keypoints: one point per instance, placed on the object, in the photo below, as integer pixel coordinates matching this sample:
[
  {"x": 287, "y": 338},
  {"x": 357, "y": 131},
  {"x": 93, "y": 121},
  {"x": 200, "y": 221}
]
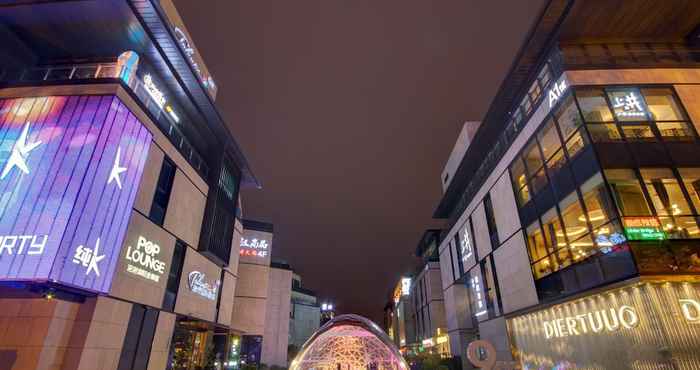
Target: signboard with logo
[
  {"x": 643, "y": 228},
  {"x": 144, "y": 262},
  {"x": 256, "y": 247},
  {"x": 70, "y": 167},
  {"x": 620, "y": 326},
  {"x": 200, "y": 286}
]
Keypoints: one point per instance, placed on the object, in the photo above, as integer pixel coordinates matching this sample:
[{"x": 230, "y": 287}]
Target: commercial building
[
  {"x": 401, "y": 316},
  {"x": 572, "y": 236},
  {"x": 119, "y": 238},
  {"x": 427, "y": 297},
  {"x": 262, "y": 298},
  {"x": 304, "y": 315}
]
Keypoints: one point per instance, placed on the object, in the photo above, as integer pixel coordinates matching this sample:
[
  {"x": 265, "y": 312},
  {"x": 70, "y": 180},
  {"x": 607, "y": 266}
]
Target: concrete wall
[
  {"x": 161, "y": 341},
  {"x": 505, "y": 209},
  {"x": 276, "y": 335},
  {"x": 190, "y": 303},
  {"x": 464, "y": 138},
  {"x": 250, "y": 299},
  {"x": 514, "y": 275},
  {"x": 185, "y": 210},
  {"x": 482, "y": 239}
]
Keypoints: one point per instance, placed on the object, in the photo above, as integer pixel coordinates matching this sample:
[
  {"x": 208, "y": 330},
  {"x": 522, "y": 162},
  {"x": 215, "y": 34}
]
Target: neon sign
[
  {"x": 556, "y": 92},
  {"x": 254, "y": 247},
  {"x": 206, "y": 79},
  {"x": 597, "y": 321},
  {"x": 9, "y": 246},
  {"x": 478, "y": 296},
  {"x": 153, "y": 90},
  {"x": 465, "y": 244},
  {"x": 628, "y": 105},
  {"x": 405, "y": 286},
  {"x": 643, "y": 228},
  {"x": 690, "y": 309}
]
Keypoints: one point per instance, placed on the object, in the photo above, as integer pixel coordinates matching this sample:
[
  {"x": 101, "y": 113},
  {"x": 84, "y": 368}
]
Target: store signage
[
  {"x": 156, "y": 94},
  {"x": 71, "y": 167},
  {"x": 405, "y": 286},
  {"x": 479, "y": 298},
  {"x": 428, "y": 342},
  {"x": 645, "y": 233},
  {"x": 628, "y": 105},
  {"x": 466, "y": 246},
  {"x": 556, "y": 92},
  {"x": 595, "y": 322},
  {"x": 22, "y": 244},
  {"x": 184, "y": 41},
  {"x": 198, "y": 284},
  {"x": 254, "y": 247},
  {"x": 442, "y": 339},
  {"x": 643, "y": 228},
  {"x": 143, "y": 260},
  {"x": 690, "y": 309}
]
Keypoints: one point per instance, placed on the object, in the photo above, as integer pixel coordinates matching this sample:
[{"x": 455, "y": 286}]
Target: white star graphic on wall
[
  {"x": 117, "y": 170},
  {"x": 95, "y": 258},
  {"x": 20, "y": 151}
]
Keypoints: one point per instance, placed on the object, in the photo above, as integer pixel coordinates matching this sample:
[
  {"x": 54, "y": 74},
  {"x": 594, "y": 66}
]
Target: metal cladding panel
[
  {"x": 70, "y": 167},
  {"x": 648, "y": 325}
]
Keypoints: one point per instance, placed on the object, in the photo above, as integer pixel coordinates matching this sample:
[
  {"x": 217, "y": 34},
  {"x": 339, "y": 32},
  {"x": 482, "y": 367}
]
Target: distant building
[
  {"x": 427, "y": 299},
  {"x": 402, "y": 324},
  {"x": 304, "y": 314},
  {"x": 277, "y": 320}
]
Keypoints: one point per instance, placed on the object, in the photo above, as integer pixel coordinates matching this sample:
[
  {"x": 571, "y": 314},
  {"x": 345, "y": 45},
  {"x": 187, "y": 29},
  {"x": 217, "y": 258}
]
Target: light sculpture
[{"x": 349, "y": 342}]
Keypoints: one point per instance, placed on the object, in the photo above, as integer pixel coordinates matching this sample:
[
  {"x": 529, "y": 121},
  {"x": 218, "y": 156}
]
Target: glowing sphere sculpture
[{"x": 349, "y": 342}]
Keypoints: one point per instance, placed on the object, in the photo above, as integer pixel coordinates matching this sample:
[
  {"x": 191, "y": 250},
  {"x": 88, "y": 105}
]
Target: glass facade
[{"x": 604, "y": 161}]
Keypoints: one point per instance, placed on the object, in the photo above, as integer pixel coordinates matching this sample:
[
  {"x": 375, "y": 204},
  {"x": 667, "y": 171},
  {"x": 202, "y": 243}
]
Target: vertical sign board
[{"x": 70, "y": 167}]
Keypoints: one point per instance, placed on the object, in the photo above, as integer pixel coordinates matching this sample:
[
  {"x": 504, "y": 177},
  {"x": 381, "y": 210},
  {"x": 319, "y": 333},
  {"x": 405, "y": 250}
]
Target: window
[
  {"x": 627, "y": 192},
  {"x": 161, "y": 197},
  {"x": 568, "y": 117},
  {"x": 174, "y": 275},
  {"x": 638, "y": 132},
  {"x": 662, "y": 105},
  {"x": 533, "y": 159},
  {"x": 691, "y": 180},
  {"x": 491, "y": 221},
  {"x": 593, "y": 105},
  {"x": 549, "y": 139},
  {"x": 535, "y": 242},
  {"x": 675, "y": 131},
  {"x": 574, "y": 219},
  {"x": 597, "y": 202},
  {"x": 553, "y": 233},
  {"x": 604, "y": 132},
  {"x": 576, "y": 143},
  {"x": 665, "y": 192}
]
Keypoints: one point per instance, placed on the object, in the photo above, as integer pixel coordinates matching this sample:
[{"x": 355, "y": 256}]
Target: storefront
[{"x": 641, "y": 325}]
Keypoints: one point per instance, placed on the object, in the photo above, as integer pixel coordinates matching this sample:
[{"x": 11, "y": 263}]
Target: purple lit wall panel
[{"x": 65, "y": 217}]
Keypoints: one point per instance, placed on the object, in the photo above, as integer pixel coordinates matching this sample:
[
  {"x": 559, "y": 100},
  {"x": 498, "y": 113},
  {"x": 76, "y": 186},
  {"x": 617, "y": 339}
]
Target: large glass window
[
  {"x": 627, "y": 192},
  {"x": 161, "y": 197},
  {"x": 533, "y": 159},
  {"x": 665, "y": 192},
  {"x": 663, "y": 105},
  {"x": 593, "y": 105},
  {"x": 597, "y": 201},
  {"x": 691, "y": 180},
  {"x": 568, "y": 117},
  {"x": 535, "y": 241},
  {"x": 574, "y": 219},
  {"x": 549, "y": 139}
]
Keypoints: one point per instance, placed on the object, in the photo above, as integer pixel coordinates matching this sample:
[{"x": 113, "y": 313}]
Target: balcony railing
[{"x": 163, "y": 119}]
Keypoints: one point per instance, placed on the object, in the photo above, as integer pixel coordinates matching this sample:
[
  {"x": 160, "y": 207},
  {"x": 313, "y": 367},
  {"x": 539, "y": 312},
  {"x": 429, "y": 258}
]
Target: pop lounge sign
[{"x": 143, "y": 260}]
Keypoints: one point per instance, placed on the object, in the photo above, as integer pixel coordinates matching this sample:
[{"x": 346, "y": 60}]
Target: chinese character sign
[
  {"x": 628, "y": 105},
  {"x": 69, "y": 171}
]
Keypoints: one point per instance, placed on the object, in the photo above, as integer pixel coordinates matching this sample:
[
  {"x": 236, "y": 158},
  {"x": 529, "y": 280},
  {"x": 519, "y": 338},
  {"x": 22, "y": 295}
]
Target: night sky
[{"x": 347, "y": 112}]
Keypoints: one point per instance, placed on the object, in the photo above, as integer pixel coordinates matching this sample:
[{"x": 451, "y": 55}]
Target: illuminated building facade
[
  {"x": 349, "y": 342},
  {"x": 573, "y": 214},
  {"x": 119, "y": 234},
  {"x": 402, "y": 315}
]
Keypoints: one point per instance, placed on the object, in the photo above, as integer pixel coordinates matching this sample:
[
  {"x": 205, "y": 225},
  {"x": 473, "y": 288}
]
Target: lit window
[
  {"x": 662, "y": 105},
  {"x": 535, "y": 241},
  {"x": 665, "y": 192},
  {"x": 596, "y": 199},
  {"x": 627, "y": 192},
  {"x": 638, "y": 132},
  {"x": 533, "y": 159},
  {"x": 549, "y": 139},
  {"x": 691, "y": 180},
  {"x": 675, "y": 131},
  {"x": 593, "y": 105},
  {"x": 576, "y": 143},
  {"x": 604, "y": 132},
  {"x": 575, "y": 224},
  {"x": 568, "y": 118}
]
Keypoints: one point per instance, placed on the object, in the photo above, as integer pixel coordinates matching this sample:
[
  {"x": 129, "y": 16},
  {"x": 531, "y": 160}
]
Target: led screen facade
[{"x": 70, "y": 167}]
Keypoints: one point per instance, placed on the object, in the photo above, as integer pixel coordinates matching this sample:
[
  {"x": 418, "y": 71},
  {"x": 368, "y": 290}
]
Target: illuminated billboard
[
  {"x": 70, "y": 167},
  {"x": 649, "y": 325}
]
